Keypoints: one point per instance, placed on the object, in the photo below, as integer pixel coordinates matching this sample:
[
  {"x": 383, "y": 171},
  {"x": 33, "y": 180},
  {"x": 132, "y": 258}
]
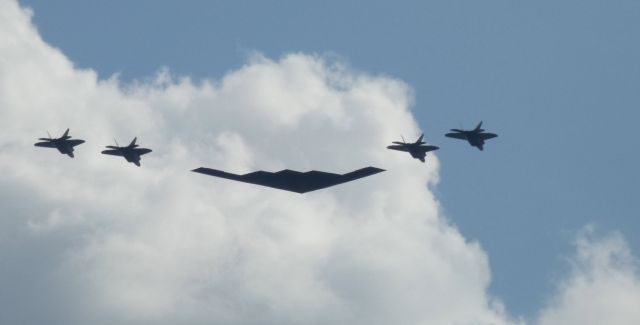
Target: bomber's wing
[
  {"x": 45, "y": 144},
  {"x": 291, "y": 180},
  {"x": 399, "y": 148},
  {"x": 456, "y": 135},
  {"x": 486, "y": 136},
  {"x": 112, "y": 152}
]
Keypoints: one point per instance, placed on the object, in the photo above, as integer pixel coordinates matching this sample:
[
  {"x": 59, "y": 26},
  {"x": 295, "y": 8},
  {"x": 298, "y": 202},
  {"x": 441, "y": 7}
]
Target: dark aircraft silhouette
[
  {"x": 476, "y": 137},
  {"x": 417, "y": 149},
  {"x": 131, "y": 152},
  {"x": 291, "y": 180},
  {"x": 64, "y": 144}
]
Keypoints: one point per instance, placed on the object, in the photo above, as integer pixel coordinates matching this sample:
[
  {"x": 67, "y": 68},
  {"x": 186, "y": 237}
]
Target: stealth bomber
[{"x": 291, "y": 180}]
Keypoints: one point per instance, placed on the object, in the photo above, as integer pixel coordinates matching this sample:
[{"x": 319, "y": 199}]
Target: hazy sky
[{"x": 559, "y": 81}]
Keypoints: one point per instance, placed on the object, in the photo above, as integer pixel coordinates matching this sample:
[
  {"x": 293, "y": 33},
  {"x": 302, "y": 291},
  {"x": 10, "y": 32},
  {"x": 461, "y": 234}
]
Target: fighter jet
[
  {"x": 417, "y": 149},
  {"x": 64, "y": 144},
  {"x": 131, "y": 152},
  {"x": 476, "y": 137}
]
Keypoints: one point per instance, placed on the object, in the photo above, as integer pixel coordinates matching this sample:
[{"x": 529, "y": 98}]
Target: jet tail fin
[
  {"x": 420, "y": 138},
  {"x": 478, "y": 127},
  {"x": 133, "y": 143},
  {"x": 65, "y": 135}
]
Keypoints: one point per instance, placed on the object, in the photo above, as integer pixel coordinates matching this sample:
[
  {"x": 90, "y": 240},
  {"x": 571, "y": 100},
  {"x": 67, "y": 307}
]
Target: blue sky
[{"x": 559, "y": 81}]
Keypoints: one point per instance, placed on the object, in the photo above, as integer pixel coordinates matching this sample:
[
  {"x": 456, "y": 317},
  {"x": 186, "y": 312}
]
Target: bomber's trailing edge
[
  {"x": 418, "y": 149},
  {"x": 64, "y": 144},
  {"x": 475, "y": 137},
  {"x": 131, "y": 152},
  {"x": 291, "y": 180}
]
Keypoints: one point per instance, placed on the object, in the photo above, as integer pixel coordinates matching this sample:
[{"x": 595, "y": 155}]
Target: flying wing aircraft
[
  {"x": 418, "y": 149},
  {"x": 291, "y": 180},
  {"x": 475, "y": 137},
  {"x": 64, "y": 144},
  {"x": 131, "y": 152}
]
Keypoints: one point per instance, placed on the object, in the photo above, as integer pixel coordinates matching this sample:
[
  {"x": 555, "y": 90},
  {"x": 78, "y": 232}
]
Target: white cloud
[
  {"x": 603, "y": 286},
  {"x": 97, "y": 240}
]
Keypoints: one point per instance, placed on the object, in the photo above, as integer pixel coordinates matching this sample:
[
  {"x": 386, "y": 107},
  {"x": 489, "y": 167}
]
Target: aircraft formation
[{"x": 288, "y": 180}]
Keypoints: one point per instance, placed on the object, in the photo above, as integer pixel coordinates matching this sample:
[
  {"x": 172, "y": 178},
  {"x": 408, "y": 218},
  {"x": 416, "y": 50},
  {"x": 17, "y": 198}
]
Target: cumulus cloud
[
  {"x": 97, "y": 240},
  {"x": 603, "y": 286}
]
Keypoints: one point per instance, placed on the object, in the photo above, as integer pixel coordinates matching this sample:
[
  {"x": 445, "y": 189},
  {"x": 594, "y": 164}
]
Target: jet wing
[
  {"x": 112, "y": 152},
  {"x": 429, "y": 148},
  {"x": 75, "y": 142},
  {"x": 486, "y": 136},
  {"x": 45, "y": 144},
  {"x": 456, "y": 136},
  {"x": 291, "y": 180},
  {"x": 399, "y": 148},
  {"x": 141, "y": 151}
]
